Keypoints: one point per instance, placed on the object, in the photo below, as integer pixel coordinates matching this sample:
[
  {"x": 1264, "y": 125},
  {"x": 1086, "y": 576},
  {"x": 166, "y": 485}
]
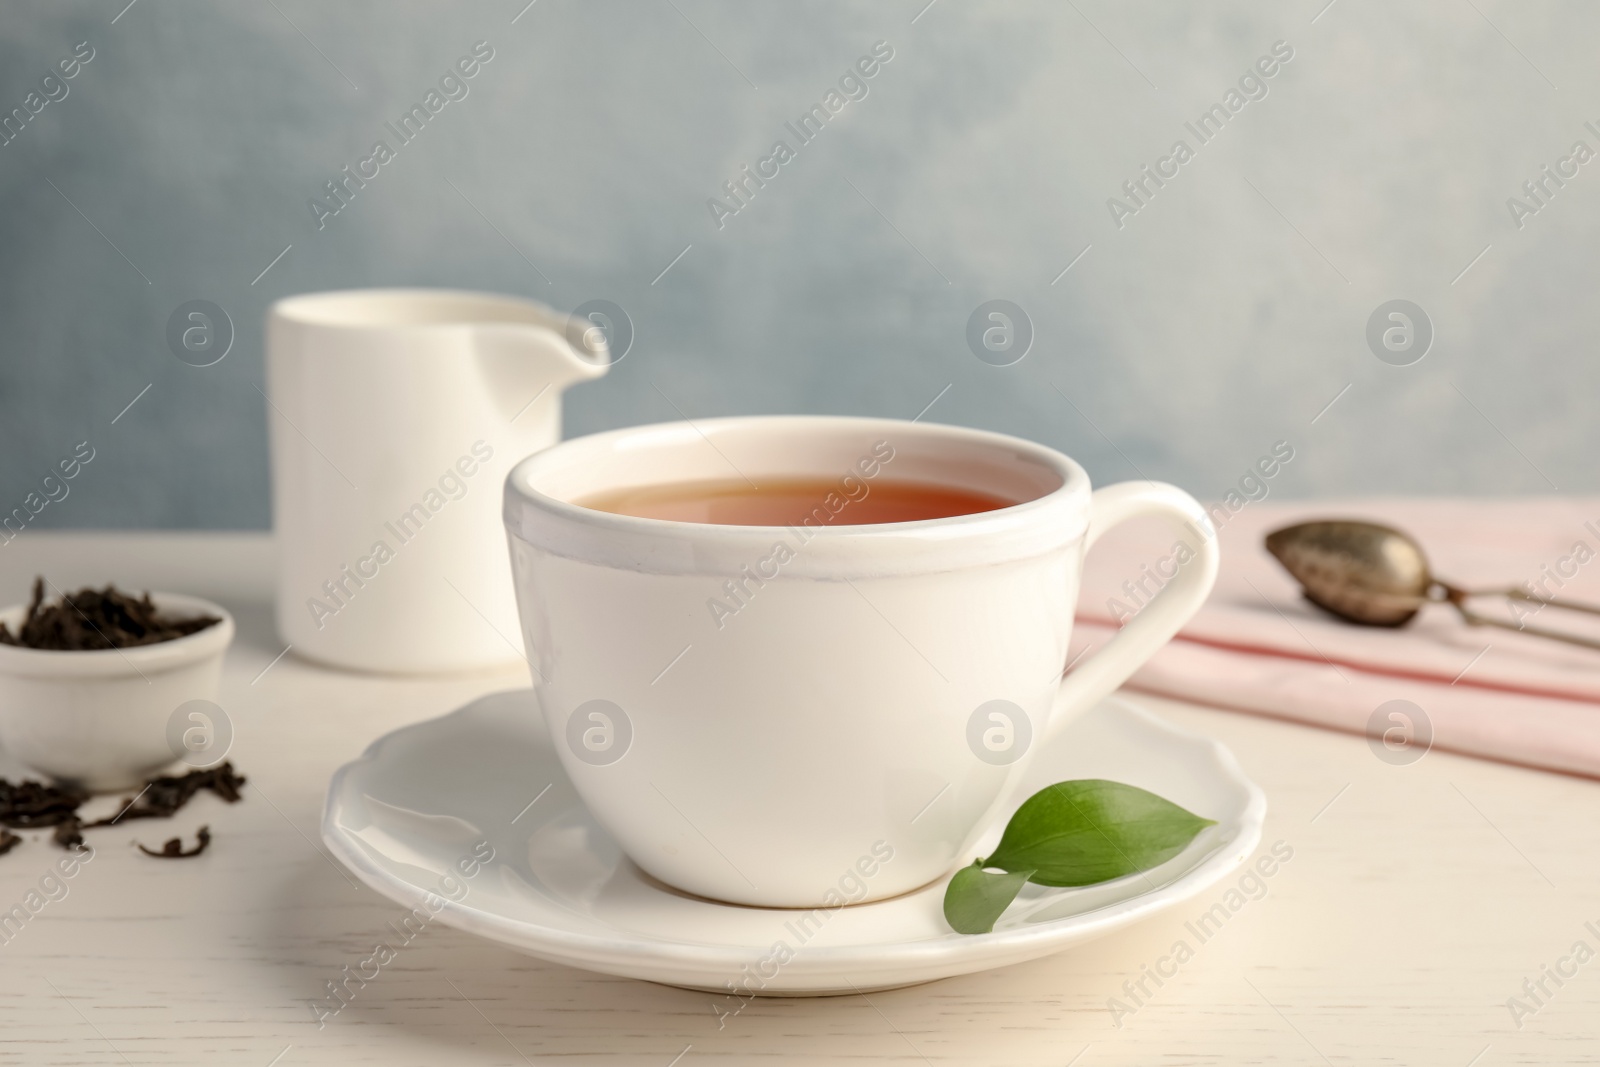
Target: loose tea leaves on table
[
  {"x": 31, "y": 805},
  {"x": 173, "y": 849},
  {"x": 93, "y": 620},
  {"x": 163, "y": 796}
]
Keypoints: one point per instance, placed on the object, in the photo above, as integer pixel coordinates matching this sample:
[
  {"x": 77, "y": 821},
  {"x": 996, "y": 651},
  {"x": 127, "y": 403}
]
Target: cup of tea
[{"x": 783, "y": 655}]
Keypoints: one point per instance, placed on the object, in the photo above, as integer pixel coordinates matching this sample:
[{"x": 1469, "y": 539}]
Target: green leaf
[
  {"x": 1088, "y": 831},
  {"x": 975, "y": 897}
]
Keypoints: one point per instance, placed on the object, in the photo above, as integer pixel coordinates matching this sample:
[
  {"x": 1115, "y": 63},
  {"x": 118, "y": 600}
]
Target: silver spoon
[{"x": 1377, "y": 576}]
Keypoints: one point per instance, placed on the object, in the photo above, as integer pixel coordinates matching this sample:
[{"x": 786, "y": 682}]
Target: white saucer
[{"x": 419, "y": 800}]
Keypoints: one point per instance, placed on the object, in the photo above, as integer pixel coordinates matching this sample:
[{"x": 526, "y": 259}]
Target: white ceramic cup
[
  {"x": 394, "y": 415},
  {"x": 773, "y": 715}
]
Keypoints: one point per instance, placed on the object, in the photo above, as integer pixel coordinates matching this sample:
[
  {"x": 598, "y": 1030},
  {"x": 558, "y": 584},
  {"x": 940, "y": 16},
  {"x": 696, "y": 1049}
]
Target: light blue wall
[{"x": 1218, "y": 320}]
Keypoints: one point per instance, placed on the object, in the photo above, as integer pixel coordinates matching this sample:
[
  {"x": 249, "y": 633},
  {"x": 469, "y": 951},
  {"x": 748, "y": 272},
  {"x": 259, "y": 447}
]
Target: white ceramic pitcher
[{"x": 394, "y": 416}]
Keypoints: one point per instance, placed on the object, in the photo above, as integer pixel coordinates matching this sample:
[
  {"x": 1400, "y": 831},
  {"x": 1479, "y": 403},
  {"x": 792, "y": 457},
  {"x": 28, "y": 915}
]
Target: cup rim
[
  {"x": 160, "y": 656},
  {"x": 1057, "y": 516}
]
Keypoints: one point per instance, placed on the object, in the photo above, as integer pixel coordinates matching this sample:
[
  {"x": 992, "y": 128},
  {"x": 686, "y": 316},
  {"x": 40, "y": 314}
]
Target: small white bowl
[{"x": 99, "y": 720}]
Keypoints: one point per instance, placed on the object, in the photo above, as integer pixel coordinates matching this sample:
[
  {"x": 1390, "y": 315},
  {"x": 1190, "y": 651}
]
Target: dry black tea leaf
[
  {"x": 69, "y": 834},
  {"x": 164, "y": 796},
  {"x": 8, "y": 841},
  {"x": 93, "y": 620},
  {"x": 173, "y": 849}
]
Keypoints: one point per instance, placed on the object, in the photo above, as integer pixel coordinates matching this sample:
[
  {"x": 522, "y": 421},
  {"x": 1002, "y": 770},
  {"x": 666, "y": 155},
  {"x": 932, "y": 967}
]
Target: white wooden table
[{"x": 1418, "y": 900}]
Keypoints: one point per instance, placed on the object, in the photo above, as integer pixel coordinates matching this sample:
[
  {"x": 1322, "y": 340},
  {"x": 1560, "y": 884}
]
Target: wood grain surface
[{"x": 1418, "y": 901}]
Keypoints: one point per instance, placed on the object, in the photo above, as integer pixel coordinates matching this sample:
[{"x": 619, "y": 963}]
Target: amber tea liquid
[{"x": 794, "y": 501}]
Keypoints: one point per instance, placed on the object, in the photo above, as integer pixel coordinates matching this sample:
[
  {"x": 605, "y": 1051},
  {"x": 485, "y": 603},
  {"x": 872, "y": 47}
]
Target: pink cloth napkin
[{"x": 1258, "y": 646}]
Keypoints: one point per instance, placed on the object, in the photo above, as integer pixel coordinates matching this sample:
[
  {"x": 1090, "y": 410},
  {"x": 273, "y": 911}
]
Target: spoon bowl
[
  {"x": 1360, "y": 571},
  {"x": 1375, "y": 575}
]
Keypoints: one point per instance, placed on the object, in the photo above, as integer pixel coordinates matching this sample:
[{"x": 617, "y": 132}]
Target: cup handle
[{"x": 1175, "y": 604}]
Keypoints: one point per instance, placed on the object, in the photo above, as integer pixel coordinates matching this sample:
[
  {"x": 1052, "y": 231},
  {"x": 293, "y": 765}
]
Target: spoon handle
[
  {"x": 1550, "y": 601},
  {"x": 1474, "y": 619}
]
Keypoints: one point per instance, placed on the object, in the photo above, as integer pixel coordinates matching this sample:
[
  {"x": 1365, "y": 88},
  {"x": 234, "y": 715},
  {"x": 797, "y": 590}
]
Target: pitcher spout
[{"x": 528, "y": 353}]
